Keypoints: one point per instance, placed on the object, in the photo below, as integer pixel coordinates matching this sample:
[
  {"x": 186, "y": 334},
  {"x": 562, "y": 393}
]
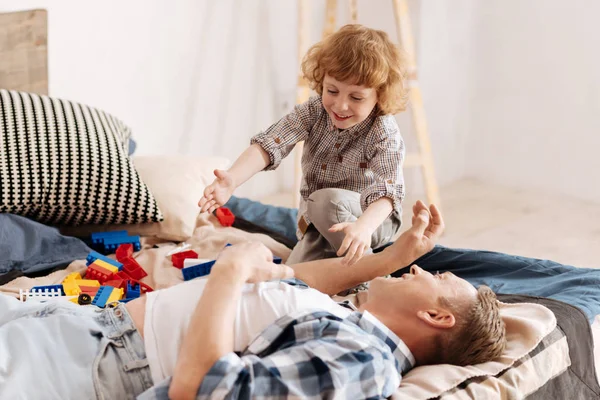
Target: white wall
[
  {"x": 511, "y": 88},
  {"x": 535, "y": 95}
]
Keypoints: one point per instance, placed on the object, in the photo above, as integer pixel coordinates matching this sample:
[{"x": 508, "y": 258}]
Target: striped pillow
[{"x": 65, "y": 163}]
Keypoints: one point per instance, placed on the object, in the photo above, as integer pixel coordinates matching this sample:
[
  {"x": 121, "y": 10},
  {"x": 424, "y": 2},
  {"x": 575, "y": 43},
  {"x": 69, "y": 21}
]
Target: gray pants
[{"x": 325, "y": 208}]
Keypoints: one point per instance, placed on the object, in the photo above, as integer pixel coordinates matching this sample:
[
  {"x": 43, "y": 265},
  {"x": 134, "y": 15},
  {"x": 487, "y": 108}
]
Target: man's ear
[{"x": 437, "y": 318}]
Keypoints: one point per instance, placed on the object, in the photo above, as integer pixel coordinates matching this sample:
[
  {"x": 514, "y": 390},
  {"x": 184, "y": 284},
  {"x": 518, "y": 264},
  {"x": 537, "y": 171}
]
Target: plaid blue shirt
[{"x": 309, "y": 355}]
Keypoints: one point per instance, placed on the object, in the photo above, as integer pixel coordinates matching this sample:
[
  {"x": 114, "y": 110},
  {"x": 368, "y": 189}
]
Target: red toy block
[
  {"x": 143, "y": 287},
  {"x": 124, "y": 252},
  {"x": 177, "y": 258},
  {"x": 225, "y": 216},
  {"x": 98, "y": 273},
  {"x": 133, "y": 269},
  {"x": 117, "y": 283},
  {"x": 91, "y": 290}
]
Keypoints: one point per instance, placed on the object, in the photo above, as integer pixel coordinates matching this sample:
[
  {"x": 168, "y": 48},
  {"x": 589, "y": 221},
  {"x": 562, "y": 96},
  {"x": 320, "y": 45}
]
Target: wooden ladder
[{"x": 423, "y": 157}]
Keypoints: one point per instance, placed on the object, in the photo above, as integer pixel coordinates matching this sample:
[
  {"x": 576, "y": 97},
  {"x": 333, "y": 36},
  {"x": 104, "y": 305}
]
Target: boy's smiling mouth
[{"x": 340, "y": 117}]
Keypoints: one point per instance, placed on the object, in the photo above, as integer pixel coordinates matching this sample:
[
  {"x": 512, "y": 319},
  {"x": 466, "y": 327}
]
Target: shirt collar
[{"x": 405, "y": 360}]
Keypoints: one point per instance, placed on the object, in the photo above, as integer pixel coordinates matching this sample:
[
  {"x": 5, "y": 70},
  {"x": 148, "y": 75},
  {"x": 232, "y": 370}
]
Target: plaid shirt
[
  {"x": 309, "y": 355},
  {"x": 366, "y": 158}
]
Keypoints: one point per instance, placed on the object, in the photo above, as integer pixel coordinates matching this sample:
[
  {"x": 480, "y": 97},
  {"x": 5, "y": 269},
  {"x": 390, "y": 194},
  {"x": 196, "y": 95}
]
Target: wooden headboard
[{"x": 24, "y": 51}]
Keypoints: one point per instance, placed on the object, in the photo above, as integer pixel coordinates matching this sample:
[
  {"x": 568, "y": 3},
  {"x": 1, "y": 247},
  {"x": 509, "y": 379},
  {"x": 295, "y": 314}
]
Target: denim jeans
[{"x": 60, "y": 350}]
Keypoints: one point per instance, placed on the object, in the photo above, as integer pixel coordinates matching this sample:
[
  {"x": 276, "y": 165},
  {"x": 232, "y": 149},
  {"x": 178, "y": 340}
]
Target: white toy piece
[
  {"x": 179, "y": 249},
  {"x": 43, "y": 296}
]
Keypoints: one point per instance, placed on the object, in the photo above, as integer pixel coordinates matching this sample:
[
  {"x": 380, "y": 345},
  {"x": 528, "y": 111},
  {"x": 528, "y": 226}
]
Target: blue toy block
[
  {"x": 277, "y": 260},
  {"x": 48, "y": 288},
  {"x": 98, "y": 237},
  {"x": 111, "y": 244},
  {"x": 132, "y": 291},
  {"x": 102, "y": 296},
  {"x": 93, "y": 256},
  {"x": 196, "y": 271}
]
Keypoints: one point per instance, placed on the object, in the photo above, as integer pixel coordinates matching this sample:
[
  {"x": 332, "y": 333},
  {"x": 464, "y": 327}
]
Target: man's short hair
[{"x": 479, "y": 334}]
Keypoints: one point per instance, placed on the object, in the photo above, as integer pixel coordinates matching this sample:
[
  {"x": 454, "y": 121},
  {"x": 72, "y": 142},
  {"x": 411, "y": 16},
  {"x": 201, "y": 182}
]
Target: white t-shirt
[{"x": 168, "y": 313}]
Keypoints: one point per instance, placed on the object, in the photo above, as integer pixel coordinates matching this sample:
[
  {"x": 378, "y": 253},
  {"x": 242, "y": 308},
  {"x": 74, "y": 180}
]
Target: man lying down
[{"x": 255, "y": 328}]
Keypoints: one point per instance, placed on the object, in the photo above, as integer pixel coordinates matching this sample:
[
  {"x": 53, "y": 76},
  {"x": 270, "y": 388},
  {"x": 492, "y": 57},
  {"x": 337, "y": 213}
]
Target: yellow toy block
[
  {"x": 71, "y": 288},
  {"x": 106, "y": 265},
  {"x": 72, "y": 277},
  {"x": 115, "y": 295},
  {"x": 87, "y": 282}
]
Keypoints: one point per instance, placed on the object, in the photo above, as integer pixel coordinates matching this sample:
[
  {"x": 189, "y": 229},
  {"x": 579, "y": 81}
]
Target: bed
[{"x": 552, "y": 339}]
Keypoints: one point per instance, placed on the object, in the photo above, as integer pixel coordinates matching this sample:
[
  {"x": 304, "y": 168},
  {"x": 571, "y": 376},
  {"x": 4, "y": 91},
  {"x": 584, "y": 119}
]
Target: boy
[{"x": 352, "y": 182}]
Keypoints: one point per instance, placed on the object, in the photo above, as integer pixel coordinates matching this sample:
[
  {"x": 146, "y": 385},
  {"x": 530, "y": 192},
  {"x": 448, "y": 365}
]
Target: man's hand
[
  {"x": 427, "y": 227},
  {"x": 355, "y": 243},
  {"x": 250, "y": 262},
  {"x": 217, "y": 193}
]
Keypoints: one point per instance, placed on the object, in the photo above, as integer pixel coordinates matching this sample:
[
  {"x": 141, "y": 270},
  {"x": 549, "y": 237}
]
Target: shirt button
[
  {"x": 324, "y": 166},
  {"x": 277, "y": 140},
  {"x": 390, "y": 181},
  {"x": 337, "y": 145}
]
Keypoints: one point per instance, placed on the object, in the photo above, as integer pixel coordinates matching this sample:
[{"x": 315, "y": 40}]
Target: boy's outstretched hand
[
  {"x": 217, "y": 193},
  {"x": 427, "y": 227}
]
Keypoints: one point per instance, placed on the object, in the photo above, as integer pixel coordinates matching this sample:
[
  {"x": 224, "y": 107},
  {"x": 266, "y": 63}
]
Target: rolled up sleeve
[
  {"x": 281, "y": 137},
  {"x": 386, "y": 164}
]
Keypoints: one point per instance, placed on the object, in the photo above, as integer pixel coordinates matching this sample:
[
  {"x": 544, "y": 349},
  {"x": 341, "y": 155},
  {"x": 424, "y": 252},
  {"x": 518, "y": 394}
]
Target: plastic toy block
[
  {"x": 98, "y": 273},
  {"x": 124, "y": 251},
  {"x": 144, "y": 288},
  {"x": 107, "y": 266},
  {"x": 179, "y": 249},
  {"x": 97, "y": 256},
  {"x": 132, "y": 291},
  {"x": 49, "y": 294},
  {"x": 71, "y": 288},
  {"x": 277, "y": 260},
  {"x": 87, "y": 282},
  {"x": 116, "y": 283},
  {"x": 98, "y": 237},
  {"x": 177, "y": 258},
  {"x": 115, "y": 295},
  {"x": 91, "y": 290},
  {"x": 225, "y": 216},
  {"x": 196, "y": 271},
  {"x": 72, "y": 277},
  {"x": 133, "y": 269},
  {"x": 111, "y": 244},
  {"x": 102, "y": 296},
  {"x": 189, "y": 262},
  {"x": 48, "y": 289}
]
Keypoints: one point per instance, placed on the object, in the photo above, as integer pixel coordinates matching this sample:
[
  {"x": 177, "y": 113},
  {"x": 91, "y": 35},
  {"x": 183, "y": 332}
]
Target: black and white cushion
[{"x": 66, "y": 163}]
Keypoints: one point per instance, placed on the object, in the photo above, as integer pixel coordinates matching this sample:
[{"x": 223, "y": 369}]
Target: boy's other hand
[
  {"x": 355, "y": 243},
  {"x": 217, "y": 193}
]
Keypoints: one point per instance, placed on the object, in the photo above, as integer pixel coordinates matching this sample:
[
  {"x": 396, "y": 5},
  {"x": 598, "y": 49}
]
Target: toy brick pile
[
  {"x": 106, "y": 280},
  {"x": 193, "y": 267}
]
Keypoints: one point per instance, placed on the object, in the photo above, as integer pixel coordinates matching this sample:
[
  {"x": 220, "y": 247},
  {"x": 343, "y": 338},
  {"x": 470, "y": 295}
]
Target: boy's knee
[
  {"x": 331, "y": 206},
  {"x": 337, "y": 197}
]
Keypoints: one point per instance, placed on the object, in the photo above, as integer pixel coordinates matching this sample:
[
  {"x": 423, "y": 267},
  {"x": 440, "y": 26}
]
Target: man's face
[
  {"x": 347, "y": 104},
  {"x": 420, "y": 290}
]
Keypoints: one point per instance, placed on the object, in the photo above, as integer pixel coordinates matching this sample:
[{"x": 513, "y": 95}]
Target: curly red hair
[{"x": 360, "y": 56}]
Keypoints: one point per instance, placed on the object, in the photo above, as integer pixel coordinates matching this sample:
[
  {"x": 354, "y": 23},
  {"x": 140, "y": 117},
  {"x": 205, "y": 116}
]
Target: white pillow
[{"x": 177, "y": 183}]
